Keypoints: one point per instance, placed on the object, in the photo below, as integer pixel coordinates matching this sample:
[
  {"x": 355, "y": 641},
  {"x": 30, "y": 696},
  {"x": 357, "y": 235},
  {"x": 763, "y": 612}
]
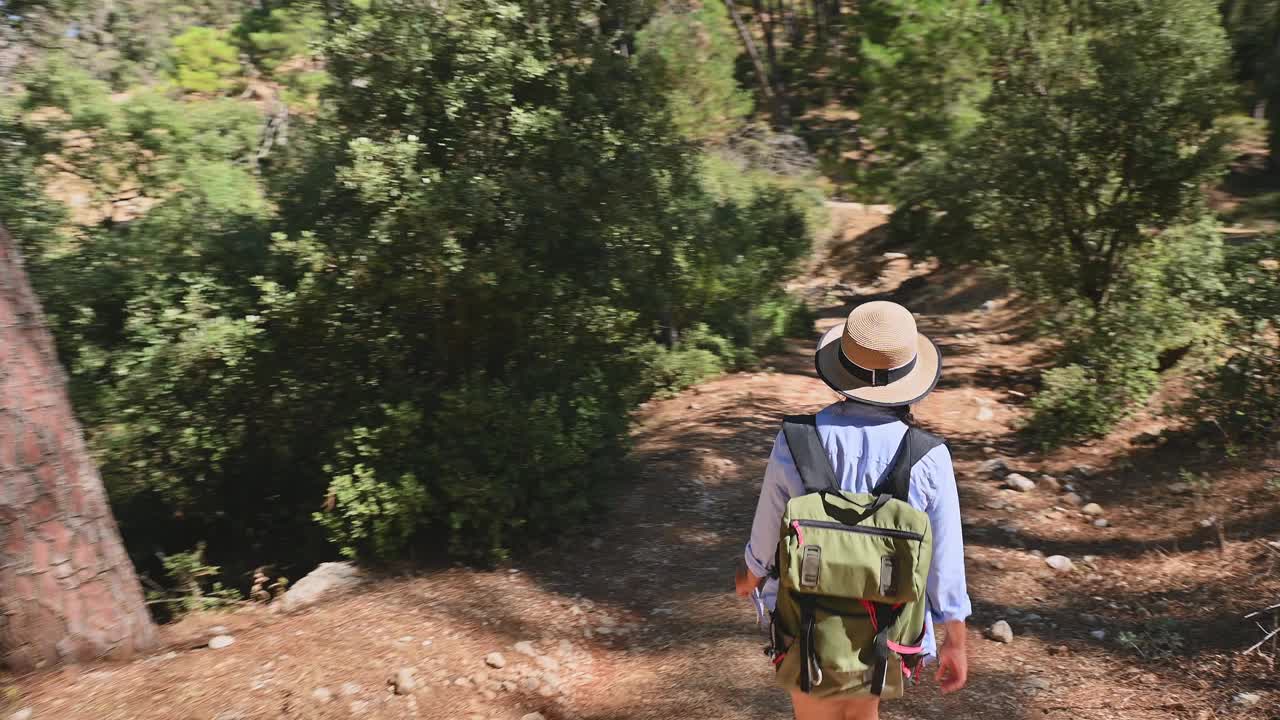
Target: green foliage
[
  {"x": 373, "y": 514},
  {"x": 1252, "y": 26},
  {"x": 1100, "y": 132},
  {"x": 192, "y": 588},
  {"x": 1110, "y": 359},
  {"x": 204, "y": 61},
  {"x": 926, "y": 72},
  {"x": 698, "y": 46},
  {"x": 1241, "y": 390},
  {"x": 1090, "y": 154},
  {"x": 425, "y": 321},
  {"x": 670, "y": 371},
  {"x": 274, "y": 36},
  {"x": 1161, "y": 639}
]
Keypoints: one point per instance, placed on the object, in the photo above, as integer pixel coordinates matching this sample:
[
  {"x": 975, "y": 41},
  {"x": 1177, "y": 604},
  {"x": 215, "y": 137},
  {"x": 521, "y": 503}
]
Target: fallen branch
[
  {"x": 1263, "y": 610},
  {"x": 1259, "y": 644}
]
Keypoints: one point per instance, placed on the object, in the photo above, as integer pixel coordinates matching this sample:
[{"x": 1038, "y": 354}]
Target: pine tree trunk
[{"x": 67, "y": 587}]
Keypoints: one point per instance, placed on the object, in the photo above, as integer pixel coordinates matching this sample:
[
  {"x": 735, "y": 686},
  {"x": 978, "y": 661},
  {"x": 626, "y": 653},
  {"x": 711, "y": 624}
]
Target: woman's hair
[{"x": 904, "y": 413}]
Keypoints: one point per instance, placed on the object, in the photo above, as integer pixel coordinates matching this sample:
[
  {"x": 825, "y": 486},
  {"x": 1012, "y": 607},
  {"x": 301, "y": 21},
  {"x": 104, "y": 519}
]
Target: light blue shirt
[{"x": 861, "y": 441}]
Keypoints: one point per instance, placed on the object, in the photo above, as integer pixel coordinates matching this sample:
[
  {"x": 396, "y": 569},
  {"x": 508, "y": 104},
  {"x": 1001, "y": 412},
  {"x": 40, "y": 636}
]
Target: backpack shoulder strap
[
  {"x": 801, "y": 432},
  {"x": 916, "y": 443}
]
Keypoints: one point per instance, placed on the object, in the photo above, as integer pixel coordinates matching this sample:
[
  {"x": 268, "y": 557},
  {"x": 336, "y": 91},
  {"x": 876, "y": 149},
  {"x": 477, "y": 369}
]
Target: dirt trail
[{"x": 637, "y": 620}]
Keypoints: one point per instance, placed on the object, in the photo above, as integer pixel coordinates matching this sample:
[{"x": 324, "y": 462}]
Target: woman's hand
[
  {"x": 953, "y": 658},
  {"x": 744, "y": 581}
]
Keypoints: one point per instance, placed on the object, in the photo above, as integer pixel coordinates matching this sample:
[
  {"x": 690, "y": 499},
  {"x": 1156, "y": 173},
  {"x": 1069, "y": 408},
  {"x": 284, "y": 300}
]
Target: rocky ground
[{"x": 1110, "y": 580}]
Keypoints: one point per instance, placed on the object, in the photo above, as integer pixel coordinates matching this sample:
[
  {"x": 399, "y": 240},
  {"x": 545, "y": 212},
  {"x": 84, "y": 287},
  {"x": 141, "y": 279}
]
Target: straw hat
[{"x": 877, "y": 357}]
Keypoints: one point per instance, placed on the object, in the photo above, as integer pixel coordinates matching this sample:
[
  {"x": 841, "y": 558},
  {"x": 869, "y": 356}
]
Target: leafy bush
[
  {"x": 1111, "y": 356},
  {"x": 1083, "y": 179},
  {"x": 698, "y": 46},
  {"x": 1241, "y": 390},
  {"x": 193, "y": 589},
  {"x": 1159, "y": 640},
  {"x": 425, "y": 322},
  {"x": 273, "y": 36},
  {"x": 204, "y": 61},
  {"x": 925, "y": 70},
  {"x": 1129, "y": 92}
]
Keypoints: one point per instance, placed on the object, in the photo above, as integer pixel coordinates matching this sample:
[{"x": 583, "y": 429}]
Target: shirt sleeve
[
  {"x": 781, "y": 483},
  {"x": 948, "y": 592}
]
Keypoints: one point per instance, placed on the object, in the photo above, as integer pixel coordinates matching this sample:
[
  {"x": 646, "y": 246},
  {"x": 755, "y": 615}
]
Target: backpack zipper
[{"x": 887, "y": 532}]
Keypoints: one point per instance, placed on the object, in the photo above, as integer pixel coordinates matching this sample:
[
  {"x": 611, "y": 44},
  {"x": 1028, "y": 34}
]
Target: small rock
[
  {"x": 1181, "y": 488},
  {"x": 358, "y": 707},
  {"x": 1000, "y": 632},
  {"x": 546, "y": 662},
  {"x": 529, "y": 684},
  {"x": 1098, "y": 634},
  {"x": 403, "y": 681},
  {"x": 1101, "y": 523},
  {"x": 532, "y": 716},
  {"x": 1073, "y": 499},
  {"x": 495, "y": 660},
  {"x": 1020, "y": 483},
  {"x": 566, "y": 649},
  {"x": 1059, "y": 650},
  {"x": 1247, "y": 699},
  {"x": 217, "y": 642},
  {"x": 1060, "y": 563},
  {"x": 218, "y": 630},
  {"x": 1090, "y": 559},
  {"x": 896, "y": 256},
  {"x": 551, "y": 680},
  {"x": 350, "y": 689},
  {"x": 524, "y": 647},
  {"x": 23, "y": 714},
  {"x": 989, "y": 451},
  {"x": 326, "y": 579},
  {"x": 322, "y": 695},
  {"x": 489, "y": 695},
  {"x": 1083, "y": 471},
  {"x": 1036, "y": 554},
  {"x": 1050, "y": 483},
  {"x": 995, "y": 504},
  {"x": 1092, "y": 509},
  {"x": 1037, "y": 684},
  {"x": 508, "y": 686},
  {"x": 996, "y": 467},
  {"x": 988, "y": 306}
]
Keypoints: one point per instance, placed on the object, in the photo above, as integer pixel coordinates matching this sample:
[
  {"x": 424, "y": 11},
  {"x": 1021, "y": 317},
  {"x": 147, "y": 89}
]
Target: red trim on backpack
[
  {"x": 871, "y": 612},
  {"x": 906, "y": 649},
  {"x": 795, "y": 525}
]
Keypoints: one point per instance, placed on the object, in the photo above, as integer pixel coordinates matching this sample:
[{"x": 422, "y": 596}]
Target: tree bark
[
  {"x": 768, "y": 17},
  {"x": 766, "y": 85},
  {"x": 67, "y": 587}
]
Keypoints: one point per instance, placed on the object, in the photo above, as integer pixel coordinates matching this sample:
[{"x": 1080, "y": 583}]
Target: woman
[{"x": 880, "y": 365}]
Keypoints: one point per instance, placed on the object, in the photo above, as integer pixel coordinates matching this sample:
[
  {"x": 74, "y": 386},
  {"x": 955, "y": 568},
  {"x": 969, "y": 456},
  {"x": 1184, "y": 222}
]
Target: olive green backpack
[{"x": 852, "y": 571}]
